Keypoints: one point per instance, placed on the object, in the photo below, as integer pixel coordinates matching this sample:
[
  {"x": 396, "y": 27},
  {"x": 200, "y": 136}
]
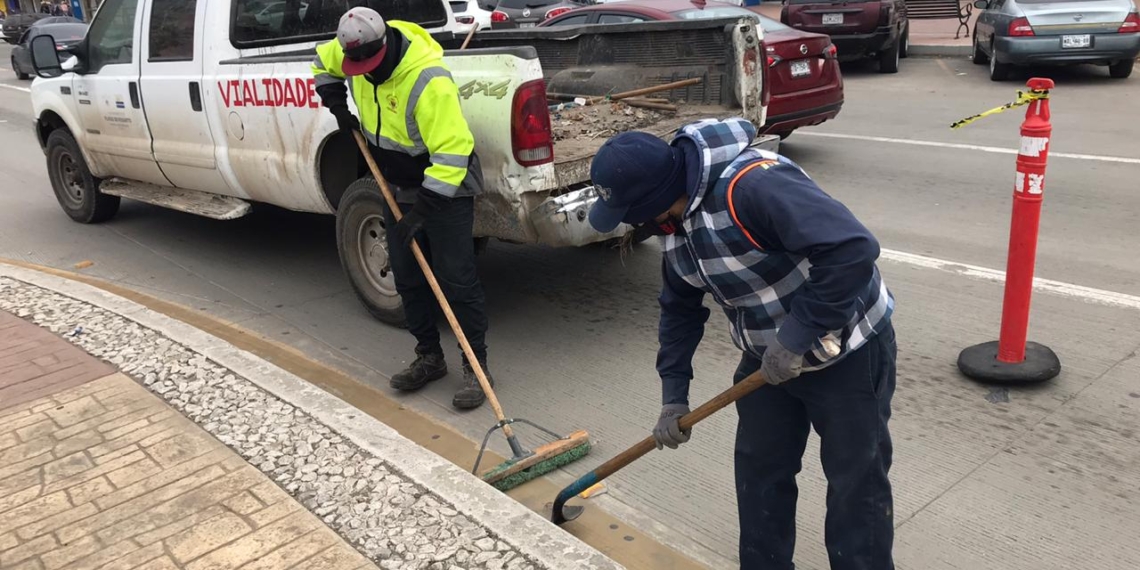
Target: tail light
[
  {"x": 465, "y": 19},
  {"x": 766, "y": 88},
  {"x": 531, "y": 138},
  {"x": 556, "y": 12},
  {"x": 500, "y": 16},
  {"x": 832, "y": 52},
  {"x": 1131, "y": 24},
  {"x": 1020, "y": 28},
  {"x": 772, "y": 58}
]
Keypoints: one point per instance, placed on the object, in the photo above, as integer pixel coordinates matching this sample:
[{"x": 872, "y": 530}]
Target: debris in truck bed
[{"x": 602, "y": 121}]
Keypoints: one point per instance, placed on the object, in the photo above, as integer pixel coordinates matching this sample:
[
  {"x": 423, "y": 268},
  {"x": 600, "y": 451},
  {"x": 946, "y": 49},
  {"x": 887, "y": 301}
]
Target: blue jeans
[{"x": 848, "y": 404}]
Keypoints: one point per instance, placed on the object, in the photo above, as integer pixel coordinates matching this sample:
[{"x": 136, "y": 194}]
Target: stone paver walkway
[{"x": 98, "y": 473}]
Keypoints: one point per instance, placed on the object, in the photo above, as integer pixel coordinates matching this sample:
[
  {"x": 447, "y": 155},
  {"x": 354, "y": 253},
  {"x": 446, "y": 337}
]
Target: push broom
[
  {"x": 563, "y": 513},
  {"x": 524, "y": 464}
]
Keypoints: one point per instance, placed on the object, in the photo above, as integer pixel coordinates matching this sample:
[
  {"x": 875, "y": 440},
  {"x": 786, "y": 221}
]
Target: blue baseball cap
[{"x": 637, "y": 177}]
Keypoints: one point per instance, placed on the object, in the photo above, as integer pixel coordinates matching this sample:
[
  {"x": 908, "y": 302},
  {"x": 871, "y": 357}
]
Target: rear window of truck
[{"x": 257, "y": 23}]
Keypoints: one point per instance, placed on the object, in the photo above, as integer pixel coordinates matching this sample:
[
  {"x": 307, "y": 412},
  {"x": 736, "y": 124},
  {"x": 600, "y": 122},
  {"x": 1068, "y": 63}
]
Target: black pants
[
  {"x": 848, "y": 404},
  {"x": 450, "y": 249}
]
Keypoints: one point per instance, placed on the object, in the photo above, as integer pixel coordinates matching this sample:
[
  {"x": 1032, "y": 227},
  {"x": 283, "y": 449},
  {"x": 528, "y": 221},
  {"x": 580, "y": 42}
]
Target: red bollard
[{"x": 1012, "y": 359}]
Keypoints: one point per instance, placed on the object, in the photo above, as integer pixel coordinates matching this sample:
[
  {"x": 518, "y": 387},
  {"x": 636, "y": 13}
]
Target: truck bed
[{"x": 595, "y": 60}]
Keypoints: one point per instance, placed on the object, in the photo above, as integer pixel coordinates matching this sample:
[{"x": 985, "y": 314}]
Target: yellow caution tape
[{"x": 1023, "y": 98}]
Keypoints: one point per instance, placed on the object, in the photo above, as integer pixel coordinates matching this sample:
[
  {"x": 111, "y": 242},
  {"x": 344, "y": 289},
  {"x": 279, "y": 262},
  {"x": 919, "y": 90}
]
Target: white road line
[
  {"x": 993, "y": 149},
  {"x": 13, "y": 87},
  {"x": 1080, "y": 292}
]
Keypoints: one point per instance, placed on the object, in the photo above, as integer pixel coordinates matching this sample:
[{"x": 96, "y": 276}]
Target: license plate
[
  {"x": 1082, "y": 41},
  {"x": 526, "y": 24},
  {"x": 832, "y": 19},
  {"x": 801, "y": 68}
]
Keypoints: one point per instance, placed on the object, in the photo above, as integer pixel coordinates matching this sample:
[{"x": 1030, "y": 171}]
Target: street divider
[{"x": 1012, "y": 359}]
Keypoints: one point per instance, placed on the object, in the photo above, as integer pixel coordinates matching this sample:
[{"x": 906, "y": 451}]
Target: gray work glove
[
  {"x": 780, "y": 364},
  {"x": 667, "y": 432}
]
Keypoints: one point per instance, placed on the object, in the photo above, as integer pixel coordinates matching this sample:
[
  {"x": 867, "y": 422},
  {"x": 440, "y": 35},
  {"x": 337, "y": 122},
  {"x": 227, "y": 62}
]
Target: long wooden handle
[
  {"x": 687, "y": 421},
  {"x": 419, "y": 254},
  {"x": 647, "y": 90}
]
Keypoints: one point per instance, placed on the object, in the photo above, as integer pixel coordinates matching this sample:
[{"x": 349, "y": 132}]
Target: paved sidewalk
[
  {"x": 99, "y": 473},
  {"x": 200, "y": 456}
]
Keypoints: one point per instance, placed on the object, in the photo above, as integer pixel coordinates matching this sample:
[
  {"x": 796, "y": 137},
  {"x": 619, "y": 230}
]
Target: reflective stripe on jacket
[{"x": 415, "y": 112}]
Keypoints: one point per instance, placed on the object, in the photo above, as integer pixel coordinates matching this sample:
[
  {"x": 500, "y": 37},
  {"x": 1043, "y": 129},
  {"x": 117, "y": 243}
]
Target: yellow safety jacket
[{"x": 414, "y": 113}]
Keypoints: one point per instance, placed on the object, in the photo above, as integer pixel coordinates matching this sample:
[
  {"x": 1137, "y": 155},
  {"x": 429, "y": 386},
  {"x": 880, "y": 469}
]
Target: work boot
[
  {"x": 425, "y": 368},
  {"x": 471, "y": 394}
]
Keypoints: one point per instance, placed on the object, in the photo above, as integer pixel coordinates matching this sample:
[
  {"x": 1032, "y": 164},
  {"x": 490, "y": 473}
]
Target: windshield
[{"x": 714, "y": 12}]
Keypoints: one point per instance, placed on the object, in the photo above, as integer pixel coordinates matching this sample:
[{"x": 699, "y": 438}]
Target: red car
[{"x": 805, "y": 82}]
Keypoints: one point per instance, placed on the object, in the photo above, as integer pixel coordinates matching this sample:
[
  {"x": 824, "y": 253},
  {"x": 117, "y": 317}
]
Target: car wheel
[
  {"x": 998, "y": 71},
  {"x": 19, "y": 73},
  {"x": 889, "y": 59},
  {"x": 1121, "y": 69},
  {"x": 976, "y": 54},
  {"x": 75, "y": 188},
  {"x": 904, "y": 43},
  {"x": 361, "y": 241}
]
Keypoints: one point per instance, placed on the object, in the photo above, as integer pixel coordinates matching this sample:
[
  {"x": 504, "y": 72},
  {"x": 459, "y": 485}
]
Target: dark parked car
[
  {"x": 805, "y": 83},
  {"x": 16, "y": 24},
  {"x": 1024, "y": 32},
  {"x": 859, "y": 29},
  {"x": 527, "y": 13},
  {"x": 65, "y": 36}
]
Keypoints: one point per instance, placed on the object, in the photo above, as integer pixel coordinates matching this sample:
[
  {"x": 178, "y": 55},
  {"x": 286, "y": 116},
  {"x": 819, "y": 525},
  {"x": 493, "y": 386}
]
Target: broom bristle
[{"x": 538, "y": 469}]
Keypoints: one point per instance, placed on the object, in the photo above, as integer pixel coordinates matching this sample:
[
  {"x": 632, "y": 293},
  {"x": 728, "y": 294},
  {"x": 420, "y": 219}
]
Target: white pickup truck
[{"x": 208, "y": 106}]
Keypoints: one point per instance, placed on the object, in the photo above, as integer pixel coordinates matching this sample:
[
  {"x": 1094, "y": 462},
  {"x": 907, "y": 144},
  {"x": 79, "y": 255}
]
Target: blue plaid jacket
[{"x": 781, "y": 258}]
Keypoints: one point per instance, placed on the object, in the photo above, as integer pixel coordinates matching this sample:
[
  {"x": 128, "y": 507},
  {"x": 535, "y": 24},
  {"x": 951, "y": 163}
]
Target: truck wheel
[
  {"x": 904, "y": 43},
  {"x": 1121, "y": 69},
  {"x": 75, "y": 188},
  {"x": 889, "y": 59},
  {"x": 361, "y": 241},
  {"x": 19, "y": 74}
]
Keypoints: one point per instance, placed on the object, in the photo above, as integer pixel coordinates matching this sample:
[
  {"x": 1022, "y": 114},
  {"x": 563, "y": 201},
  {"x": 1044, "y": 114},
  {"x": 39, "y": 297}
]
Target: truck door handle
[
  {"x": 195, "y": 96},
  {"x": 134, "y": 89}
]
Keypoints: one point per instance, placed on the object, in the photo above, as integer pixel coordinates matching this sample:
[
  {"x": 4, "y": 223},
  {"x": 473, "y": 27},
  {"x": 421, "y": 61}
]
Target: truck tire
[
  {"x": 1121, "y": 69},
  {"x": 889, "y": 58},
  {"x": 361, "y": 241},
  {"x": 75, "y": 188},
  {"x": 904, "y": 43}
]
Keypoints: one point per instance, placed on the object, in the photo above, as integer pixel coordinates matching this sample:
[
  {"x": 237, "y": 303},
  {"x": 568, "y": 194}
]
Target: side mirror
[
  {"x": 982, "y": 4},
  {"x": 45, "y": 58}
]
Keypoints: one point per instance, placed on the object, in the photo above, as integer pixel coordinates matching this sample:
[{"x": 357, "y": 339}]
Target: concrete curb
[
  {"x": 939, "y": 50},
  {"x": 523, "y": 529}
]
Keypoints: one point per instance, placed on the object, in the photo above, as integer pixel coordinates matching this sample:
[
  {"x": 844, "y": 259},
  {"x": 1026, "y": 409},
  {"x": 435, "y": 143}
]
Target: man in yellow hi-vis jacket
[{"x": 410, "y": 115}]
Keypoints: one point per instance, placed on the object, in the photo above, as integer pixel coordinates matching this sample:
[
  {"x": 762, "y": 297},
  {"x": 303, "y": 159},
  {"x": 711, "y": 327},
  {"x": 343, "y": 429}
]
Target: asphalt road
[{"x": 1044, "y": 477}]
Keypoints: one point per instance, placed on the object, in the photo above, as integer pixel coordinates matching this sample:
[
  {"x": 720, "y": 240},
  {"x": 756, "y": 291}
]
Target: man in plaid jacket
[{"x": 795, "y": 274}]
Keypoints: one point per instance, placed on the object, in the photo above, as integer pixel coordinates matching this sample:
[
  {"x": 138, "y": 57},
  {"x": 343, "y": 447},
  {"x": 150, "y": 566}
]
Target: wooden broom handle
[{"x": 419, "y": 254}]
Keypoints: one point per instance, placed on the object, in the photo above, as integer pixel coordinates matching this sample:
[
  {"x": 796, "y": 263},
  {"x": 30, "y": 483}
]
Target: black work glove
[
  {"x": 427, "y": 203},
  {"x": 668, "y": 431},
  {"x": 345, "y": 120}
]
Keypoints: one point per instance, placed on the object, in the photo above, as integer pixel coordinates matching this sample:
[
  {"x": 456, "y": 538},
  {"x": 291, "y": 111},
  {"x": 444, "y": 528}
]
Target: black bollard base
[{"x": 980, "y": 363}]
